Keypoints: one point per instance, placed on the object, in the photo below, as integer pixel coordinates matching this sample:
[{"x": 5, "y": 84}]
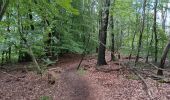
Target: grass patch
[
  {"x": 45, "y": 98},
  {"x": 81, "y": 71}
]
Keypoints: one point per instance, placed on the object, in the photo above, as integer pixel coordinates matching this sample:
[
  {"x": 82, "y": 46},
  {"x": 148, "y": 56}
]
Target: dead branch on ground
[{"x": 146, "y": 88}]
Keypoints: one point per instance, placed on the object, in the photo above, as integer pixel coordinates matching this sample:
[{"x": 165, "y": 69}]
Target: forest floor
[{"x": 85, "y": 84}]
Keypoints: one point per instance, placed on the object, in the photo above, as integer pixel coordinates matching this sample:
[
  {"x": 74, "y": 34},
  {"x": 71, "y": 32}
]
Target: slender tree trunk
[
  {"x": 150, "y": 46},
  {"x": 132, "y": 45},
  {"x": 30, "y": 52},
  {"x": 164, "y": 16},
  {"x": 120, "y": 37},
  {"x": 155, "y": 30},
  {"x": 134, "y": 35},
  {"x": 149, "y": 43},
  {"x": 6, "y": 56},
  {"x": 9, "y": 48},
  {"x": 141, "y": 32},
  {"x": 2, "y": 59},
  {"x": 9, "y": 54},
  {"x": 163, "y": 58},
  {"x": 103, "y": 34},
  {"x": 113, "y": 58}
]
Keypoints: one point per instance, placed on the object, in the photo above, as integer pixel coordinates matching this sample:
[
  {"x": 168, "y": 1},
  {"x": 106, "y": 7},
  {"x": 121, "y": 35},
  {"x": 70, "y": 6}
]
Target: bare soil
[{"x": 85, "y": 84}]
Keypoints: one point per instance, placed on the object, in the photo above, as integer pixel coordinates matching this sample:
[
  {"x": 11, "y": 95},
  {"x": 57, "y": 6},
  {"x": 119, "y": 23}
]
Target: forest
[{"x": 84, "y": 49}]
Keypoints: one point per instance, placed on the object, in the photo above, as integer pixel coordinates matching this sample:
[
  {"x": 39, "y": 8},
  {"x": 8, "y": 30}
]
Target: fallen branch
[
  {"x": 161, "y": 79},
  {"x": 10, "y": 75},
  {"x": 108, "y": 70},
  {"x": 158, "y": 67},
  {"x": 144, "y": 83},
  {"x": 141, "y": 78}
]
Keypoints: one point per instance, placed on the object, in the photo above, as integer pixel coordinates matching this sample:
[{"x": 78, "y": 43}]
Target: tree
[
  {"x": 112, "y": 35},
  {"x": 141, "y": 32},
  {"x": 113, "y": 39},
  {"x": 164, "y": 17},
  {"x": 163, "y": 58},
  {"x": 155, "y": 30},
  {"x": 103, "y": 33}
]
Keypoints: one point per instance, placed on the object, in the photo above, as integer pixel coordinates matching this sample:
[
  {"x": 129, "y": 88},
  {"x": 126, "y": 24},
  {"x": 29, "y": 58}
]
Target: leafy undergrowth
[{"x": 85, "y": 84}]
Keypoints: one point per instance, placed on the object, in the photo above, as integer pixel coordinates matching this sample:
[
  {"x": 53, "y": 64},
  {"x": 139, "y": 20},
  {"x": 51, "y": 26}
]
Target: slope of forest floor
[{"x": 85, "y": 84}]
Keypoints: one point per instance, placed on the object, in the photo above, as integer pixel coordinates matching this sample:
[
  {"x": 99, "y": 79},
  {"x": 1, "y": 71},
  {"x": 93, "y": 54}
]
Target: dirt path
[
  {"x": 88, "y": 84},
  {"x": 73, "y": 87}
]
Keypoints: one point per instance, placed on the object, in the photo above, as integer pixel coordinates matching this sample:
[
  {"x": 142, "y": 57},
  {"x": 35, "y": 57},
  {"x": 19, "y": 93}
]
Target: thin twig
[{"x": 84, "y": 53}]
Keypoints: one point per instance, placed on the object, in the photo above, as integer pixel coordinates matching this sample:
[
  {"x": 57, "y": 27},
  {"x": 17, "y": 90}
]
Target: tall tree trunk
[
  {"x": 163, "y": 58},
  {"x": 2, "y": 58},
  {"x": 103, "y": 34},
  {"x": 164, "y": 16},
  {"x": 155, "y": 30},
  {"x": 9, "y": 48},
  {"x": 132, "y": 45},
  {"x": 141, "y": 32},
  {"x": 134, "y": 35},
  {"x": 9, "y": 54},
  {"x": 149, "y": 43},
  {"x": 113, "y": 58},
  {"x": 150, "y": 46}
]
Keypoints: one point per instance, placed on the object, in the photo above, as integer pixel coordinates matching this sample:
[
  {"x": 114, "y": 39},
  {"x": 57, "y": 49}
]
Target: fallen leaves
[{"x": 86, "y": 84}]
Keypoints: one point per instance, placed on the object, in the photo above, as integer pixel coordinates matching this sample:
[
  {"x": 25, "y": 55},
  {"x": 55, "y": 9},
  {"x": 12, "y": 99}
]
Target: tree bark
[
  {"x": 10, "y": 46},
  {"x": 150, "y": 46},
  {"x": 134, "y": 35},
  {"x": 113, "y": 58},
  {"x": 103, "y": 34},
  {"x": 155, "y": 30},
  {"x": 164, "y": 16},
  {"x": 149, "y": 43},
  {"x": 163, "y": 58},
  {"x": 2, "y": 58},
  {"x": 141, "y": 32},
  {"x": 132, "y": 45}
]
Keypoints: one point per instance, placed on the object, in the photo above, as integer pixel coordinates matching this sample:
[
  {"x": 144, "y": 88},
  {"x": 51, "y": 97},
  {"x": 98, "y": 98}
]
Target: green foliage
[
  {"x": 67, "y": 5},
  {"x": 69, "y": 22},
  {"x": 72, "y": 22},
  {"x": 48, "y": 62}
]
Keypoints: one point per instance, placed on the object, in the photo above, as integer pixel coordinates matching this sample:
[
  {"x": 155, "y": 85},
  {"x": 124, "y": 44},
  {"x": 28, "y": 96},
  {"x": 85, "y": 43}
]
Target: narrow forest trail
[
  {"x": 115, "y": 85},
  {"x": 88, "y": 84}
]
